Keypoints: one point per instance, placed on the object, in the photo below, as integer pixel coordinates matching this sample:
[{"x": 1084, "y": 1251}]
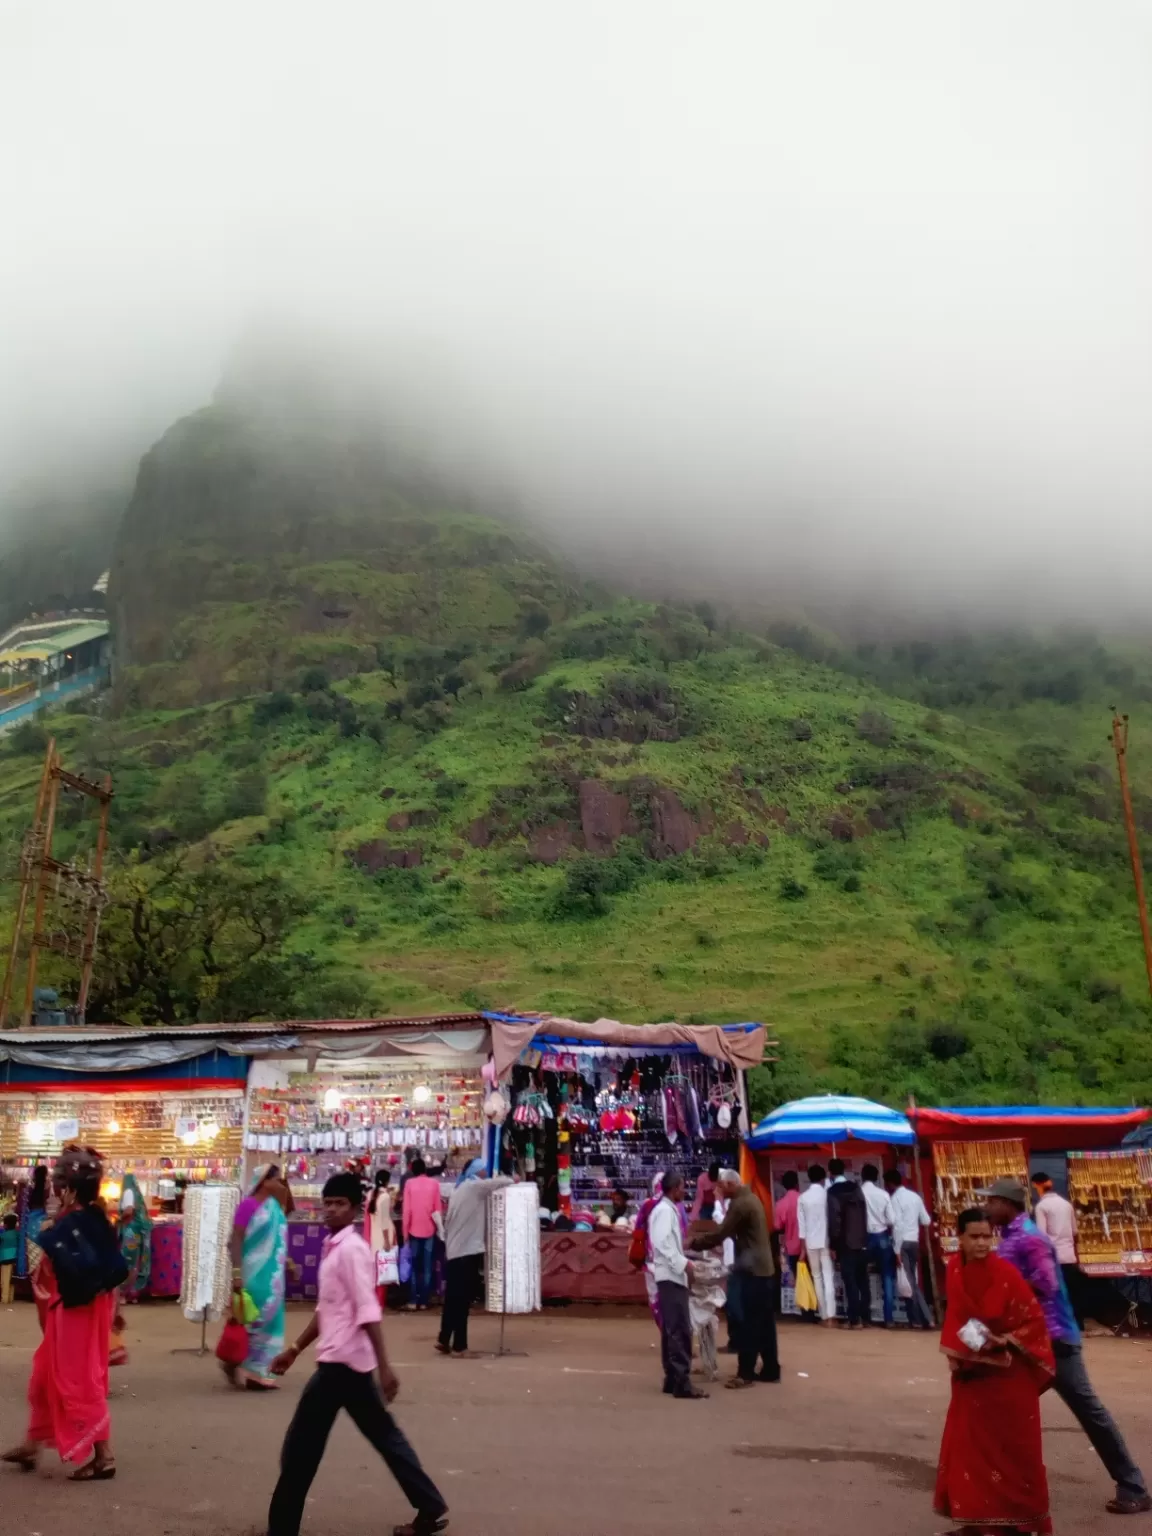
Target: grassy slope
[{"x": 865, "y": 989}]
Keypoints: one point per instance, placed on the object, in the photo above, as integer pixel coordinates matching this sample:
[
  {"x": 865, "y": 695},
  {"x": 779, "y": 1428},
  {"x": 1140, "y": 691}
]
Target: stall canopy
[
  {"x": 1045, "y": 1129},
  {"x": 740, "y": 1045},
  {"x": 830, "y": 1118}
]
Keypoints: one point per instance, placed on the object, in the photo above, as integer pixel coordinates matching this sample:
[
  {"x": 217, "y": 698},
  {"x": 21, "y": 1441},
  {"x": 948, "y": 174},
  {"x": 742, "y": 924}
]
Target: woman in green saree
[
  {"x": 259, "y": 1262},
  {"x": 135, "y": 1238}
]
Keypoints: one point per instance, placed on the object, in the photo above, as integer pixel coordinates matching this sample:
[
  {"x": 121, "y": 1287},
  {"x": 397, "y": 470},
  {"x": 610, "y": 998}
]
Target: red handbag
[
  {"x": 232, "y": 1348},
  {"x": 638, "y": 1249}
]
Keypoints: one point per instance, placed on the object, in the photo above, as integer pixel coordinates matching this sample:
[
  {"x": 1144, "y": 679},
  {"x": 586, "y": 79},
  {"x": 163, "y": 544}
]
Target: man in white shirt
[
  {"x": 812, "y": 1219},
  {"x": 880, "y": 1223},
  {"x": 1056, "y": 1217},
  {"x": 908, "y": 1210},
  {"x": 672, "y": 1272}
]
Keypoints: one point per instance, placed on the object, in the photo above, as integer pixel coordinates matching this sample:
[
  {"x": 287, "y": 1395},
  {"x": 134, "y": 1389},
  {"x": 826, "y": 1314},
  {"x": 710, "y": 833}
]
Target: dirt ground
[{"x": 572, "y": 1438}]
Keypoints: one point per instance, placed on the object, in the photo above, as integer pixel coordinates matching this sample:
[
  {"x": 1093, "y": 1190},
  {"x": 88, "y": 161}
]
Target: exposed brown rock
[
  {"x": 379, "y": 854},
  {"x": 548, "y": 844},
  {"x": 736, "y": 834},
  {"x": 842, "y": 824},
  {"x": 551, "y": 741},
  {"x": 778, "y": 814},
  {"x": 604, "y": 816},
  {"x": 387, "y": 794},
  {"x": 399, "y": 821},
  {"x": 480, "y": 833},
  {"x": 673, "y": 829}
]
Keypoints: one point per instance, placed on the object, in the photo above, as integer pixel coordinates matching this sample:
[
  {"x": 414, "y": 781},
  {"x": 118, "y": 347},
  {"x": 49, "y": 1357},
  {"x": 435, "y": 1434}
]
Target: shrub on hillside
[
  {"x": 791, "y": 890},
  {"x": 589, "y": 884},
  {"x": 275, "y": 706},
  {"x": 26, "y": 738},
  {"x": 876, "y": 728}
]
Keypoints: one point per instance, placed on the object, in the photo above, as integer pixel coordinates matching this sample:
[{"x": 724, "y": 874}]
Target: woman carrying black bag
[{"x": 81, "y": 1272}]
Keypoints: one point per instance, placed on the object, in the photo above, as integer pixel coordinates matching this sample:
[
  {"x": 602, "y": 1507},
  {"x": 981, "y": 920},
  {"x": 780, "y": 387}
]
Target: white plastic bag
[
  {"x": 974, "y": 1334},
  {"x": 387, "y": 1267},
  {"x": 903, "y": 1284}
]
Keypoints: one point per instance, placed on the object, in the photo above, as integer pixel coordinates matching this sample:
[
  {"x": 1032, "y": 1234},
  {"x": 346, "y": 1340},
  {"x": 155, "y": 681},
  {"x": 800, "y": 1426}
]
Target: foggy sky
[{"x": 758, "y": 294}]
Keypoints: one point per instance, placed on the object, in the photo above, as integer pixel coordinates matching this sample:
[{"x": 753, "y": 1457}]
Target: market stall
[
  {"x": 171, "y": 1123},
  {"x": 813, "y": 1130},
  {"x": 963, "y": 1149},
  {"x": 178, "y": 1108},
  {"x": 590, "y": 1108},
  {"x": 366, "y": 1095}
]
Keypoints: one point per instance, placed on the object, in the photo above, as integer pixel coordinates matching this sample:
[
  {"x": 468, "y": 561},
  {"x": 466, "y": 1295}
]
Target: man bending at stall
[{"x": 351, "y": 1343}]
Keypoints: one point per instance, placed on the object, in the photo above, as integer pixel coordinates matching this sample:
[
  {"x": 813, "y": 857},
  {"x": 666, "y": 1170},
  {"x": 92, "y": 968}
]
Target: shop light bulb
[
  {"x": 421, "y": 1093},
  {"x": 332, "y": 1099},
  {"x": 36, "y": 1131},
  {"x": 209, "y": 1130},
  {"x": 190, "y": 1138},
  {"x": 113, "y": 1127}
]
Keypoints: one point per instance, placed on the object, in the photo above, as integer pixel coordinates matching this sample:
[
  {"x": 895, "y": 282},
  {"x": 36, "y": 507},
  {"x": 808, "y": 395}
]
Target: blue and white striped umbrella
[{"x": 830, "y": 1118}]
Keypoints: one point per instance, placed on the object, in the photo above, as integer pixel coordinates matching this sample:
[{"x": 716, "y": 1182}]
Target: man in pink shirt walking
[
  {"x": 351, "y": 1344},
  {"x": 421, "y": 1208}
]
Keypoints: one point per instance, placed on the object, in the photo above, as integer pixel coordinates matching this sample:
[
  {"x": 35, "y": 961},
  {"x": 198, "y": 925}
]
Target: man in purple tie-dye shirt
[{"x": 1023, "y": 1244}]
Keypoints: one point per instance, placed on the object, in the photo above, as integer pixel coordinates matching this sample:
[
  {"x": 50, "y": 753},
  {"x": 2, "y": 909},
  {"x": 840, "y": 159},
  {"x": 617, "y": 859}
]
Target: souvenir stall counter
[
  {"x": 314, "y": 1124},
  {"x": 171, "y": 1126},
  {"x": 423, "y": 1094},
  {"x": 963, "y": 1149},
  {"x": 814, "y": 1130},
  {"x": 592, "y": 1108}
]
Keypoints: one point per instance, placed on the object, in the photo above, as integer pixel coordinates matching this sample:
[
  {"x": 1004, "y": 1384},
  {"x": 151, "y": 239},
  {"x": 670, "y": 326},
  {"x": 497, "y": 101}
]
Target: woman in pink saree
[{"x": 77, "y": 1282}]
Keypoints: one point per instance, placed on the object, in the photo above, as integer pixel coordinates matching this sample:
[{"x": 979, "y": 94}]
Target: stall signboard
[
  {"x": 794, "y": 1160},
  {"x": 1112, "y": 1196},
  {"x": 66, "y": 1130},
  {"x": 187, "y": 1125}
]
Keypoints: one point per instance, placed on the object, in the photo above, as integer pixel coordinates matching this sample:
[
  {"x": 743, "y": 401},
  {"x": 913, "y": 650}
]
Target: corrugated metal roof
[
  {"x": 97, "y": 1032},
  {"x": 43, "y": 646}
]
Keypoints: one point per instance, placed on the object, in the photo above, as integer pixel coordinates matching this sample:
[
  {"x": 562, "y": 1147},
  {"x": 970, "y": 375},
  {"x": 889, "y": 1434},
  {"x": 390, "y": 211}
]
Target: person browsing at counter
[{"x": 465, "y": 1238}]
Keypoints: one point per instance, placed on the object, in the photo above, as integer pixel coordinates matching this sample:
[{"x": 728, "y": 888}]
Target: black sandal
[
  {"x": 95, "y": 1471},
  {"x": 423, "y": 1525},
  {"x": 21, "y": 1457}
]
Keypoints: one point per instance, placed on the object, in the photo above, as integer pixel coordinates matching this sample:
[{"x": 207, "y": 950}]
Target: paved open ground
[{"x": 572, "y": 1438}]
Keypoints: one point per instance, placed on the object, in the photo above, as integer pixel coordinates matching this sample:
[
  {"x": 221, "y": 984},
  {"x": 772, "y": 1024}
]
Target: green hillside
[
  {"x": 640, "y": 817},
  {"x": 374, "y": 751}
]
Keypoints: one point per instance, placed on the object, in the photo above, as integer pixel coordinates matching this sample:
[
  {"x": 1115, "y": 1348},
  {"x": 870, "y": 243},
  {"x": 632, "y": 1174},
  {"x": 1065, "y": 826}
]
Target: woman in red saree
[
  {"x": 991, "y": 1476},
  {"x": 78, "y": 1279}
]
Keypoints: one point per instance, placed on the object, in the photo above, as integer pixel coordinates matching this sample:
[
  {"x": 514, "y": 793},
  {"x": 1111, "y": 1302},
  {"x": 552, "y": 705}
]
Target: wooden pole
[
  {"x": 25, "y": 885},
  {"x": 88, "y": 953},
  {"x": 925, "y": 1235},
  {"x": 1120, "y": 746},
  {"x": 41, "y": 889}
]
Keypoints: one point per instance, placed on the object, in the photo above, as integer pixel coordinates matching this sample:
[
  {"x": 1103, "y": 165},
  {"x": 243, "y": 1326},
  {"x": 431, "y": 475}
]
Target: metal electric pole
[{"x": 1120, "y": 747}]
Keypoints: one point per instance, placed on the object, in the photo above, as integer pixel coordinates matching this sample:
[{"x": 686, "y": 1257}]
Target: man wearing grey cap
[{"x": 1023, "y": 1244}]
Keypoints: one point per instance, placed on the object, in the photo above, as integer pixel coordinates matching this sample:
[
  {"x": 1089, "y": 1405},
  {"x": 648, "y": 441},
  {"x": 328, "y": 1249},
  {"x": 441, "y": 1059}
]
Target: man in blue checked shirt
[{"x": 1023, "y": 1244}]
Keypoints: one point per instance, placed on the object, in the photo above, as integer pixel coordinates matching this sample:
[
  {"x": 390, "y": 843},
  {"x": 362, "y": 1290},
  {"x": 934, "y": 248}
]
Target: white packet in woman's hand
[{"x": 974, "y": 1335}]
